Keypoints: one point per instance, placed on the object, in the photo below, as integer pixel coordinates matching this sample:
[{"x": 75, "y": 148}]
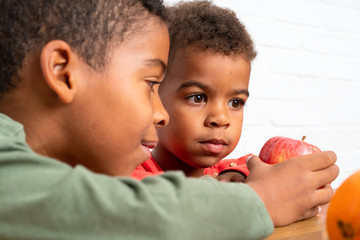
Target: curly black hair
[
  {"x": 90, "y": 27},
  {"x": 206, "y": 26}
]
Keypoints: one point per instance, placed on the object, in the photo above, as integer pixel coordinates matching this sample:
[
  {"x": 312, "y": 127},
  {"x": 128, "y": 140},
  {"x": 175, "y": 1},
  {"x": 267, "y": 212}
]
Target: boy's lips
[
  {"x": 149, "y": 144},
  {"x": 146, "y": 146},
  {"x": 214, "y": 146}
]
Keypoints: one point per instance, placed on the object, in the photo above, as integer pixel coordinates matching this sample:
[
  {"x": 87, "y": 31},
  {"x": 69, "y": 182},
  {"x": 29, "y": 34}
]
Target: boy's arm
[{"x": 42, "y": 198}]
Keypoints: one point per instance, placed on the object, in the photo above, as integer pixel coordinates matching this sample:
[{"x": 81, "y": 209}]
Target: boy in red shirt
[{"x": 204, "y": 91}]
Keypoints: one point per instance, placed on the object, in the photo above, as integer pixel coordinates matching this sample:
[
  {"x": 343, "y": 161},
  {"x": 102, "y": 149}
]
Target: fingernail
[{"x": 248, "y": 158}]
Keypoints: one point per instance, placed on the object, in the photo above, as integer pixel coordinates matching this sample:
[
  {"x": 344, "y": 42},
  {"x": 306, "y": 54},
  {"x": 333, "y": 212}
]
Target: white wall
[{"x": 306, "y": 78}]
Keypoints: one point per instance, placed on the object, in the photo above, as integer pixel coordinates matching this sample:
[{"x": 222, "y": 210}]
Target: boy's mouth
[
  {"x": 213, "y": 146},
  {"x": 149, "y": 144}
]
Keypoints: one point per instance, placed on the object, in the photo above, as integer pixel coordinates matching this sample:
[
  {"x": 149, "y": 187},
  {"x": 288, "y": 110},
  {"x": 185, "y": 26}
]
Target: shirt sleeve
[
  {"x": 41, "y": 200},
  {"x": 226, "y": 165}
]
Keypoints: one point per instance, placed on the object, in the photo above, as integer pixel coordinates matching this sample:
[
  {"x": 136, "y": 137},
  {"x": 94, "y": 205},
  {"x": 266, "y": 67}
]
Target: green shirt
[{"x": 43, "y": 198}]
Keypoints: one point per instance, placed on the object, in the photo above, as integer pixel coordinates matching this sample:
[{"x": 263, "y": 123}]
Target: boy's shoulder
[{"x": 9, "y": 127}]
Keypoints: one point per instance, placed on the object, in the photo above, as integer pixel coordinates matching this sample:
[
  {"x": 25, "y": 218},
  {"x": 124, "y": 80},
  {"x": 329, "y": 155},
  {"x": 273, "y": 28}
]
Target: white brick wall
[{"x": 306, "y": 78}]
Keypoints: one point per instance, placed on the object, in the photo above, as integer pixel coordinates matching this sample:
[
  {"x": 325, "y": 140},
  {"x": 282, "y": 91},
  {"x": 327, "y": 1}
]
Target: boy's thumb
[{"x": 252, "y": 161}]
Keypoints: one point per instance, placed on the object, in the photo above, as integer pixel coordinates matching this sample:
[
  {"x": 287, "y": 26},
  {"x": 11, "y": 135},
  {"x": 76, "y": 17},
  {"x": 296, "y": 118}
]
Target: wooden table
[{"x": 310, "y": 229}]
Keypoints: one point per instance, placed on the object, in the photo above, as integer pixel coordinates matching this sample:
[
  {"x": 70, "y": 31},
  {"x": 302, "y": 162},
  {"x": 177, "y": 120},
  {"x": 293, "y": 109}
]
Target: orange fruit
[{"x": 343, "y": 216}]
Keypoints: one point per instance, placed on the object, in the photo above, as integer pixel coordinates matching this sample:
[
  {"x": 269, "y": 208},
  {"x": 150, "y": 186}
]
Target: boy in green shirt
[{"x": 79, "y": 105}]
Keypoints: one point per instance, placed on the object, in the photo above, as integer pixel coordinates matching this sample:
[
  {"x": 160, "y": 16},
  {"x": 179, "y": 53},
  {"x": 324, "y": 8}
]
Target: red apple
[{"x": 278, "y": 149}]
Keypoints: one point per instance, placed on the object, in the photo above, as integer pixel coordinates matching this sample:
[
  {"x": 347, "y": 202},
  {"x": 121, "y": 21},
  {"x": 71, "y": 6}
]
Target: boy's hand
[
  {"x": 290, "y": 190},
  {"x": 231, "y": 176}
]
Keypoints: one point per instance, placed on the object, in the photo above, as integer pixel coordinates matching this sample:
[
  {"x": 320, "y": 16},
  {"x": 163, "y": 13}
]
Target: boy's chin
[
  {"x": 124, "y": 165},
  {"x": 206, "y": 161},
  {"x": 146, "y": 152}
]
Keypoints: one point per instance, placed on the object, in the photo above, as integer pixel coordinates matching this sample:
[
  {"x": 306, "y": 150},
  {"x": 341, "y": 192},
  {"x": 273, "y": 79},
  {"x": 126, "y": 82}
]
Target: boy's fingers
[
  {"x": 312, "y": 212},
  {"x": 320, "y": 160},
  {"x": 326, "y": 176},
  {"x": 324, "y": 195},
  {"x": 252, "y": 161}
]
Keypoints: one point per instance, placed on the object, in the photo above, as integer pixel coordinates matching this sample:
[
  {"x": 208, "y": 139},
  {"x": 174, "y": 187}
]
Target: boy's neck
[
  {"x": 169, "y": 161},
  {"x": 37, "y": 127},
  {"x": 37, "y": 113}
]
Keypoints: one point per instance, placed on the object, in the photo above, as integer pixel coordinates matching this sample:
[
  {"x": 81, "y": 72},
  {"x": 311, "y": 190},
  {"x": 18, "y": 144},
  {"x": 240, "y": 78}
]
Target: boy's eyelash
[
  {"x": 242, "y": 101},
  {"x": 196, "y": 94},
  {"x": 152, "y": 83}
]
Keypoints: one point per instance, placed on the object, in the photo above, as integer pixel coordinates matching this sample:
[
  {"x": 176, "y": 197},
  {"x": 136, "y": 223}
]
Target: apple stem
[{"x": 303, "y": 138}]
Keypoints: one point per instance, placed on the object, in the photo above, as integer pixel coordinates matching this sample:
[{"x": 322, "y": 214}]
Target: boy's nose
[
  {"x": 218, "y": 117},
  {"x": 160, "y": 115},
  {"x": 219, "y": 124}
]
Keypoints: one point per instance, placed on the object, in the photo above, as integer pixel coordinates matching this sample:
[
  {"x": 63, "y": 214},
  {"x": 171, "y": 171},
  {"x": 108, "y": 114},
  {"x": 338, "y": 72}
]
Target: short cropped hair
[
  {"x": 90, "y": 27},
  {"x": 206, "y": 26}
]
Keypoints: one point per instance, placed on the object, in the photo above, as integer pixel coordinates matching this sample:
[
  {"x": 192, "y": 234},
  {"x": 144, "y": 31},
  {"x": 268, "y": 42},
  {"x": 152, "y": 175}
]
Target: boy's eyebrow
[
  {"x": 241, "y": 91},
  {"x": 206, "y": 88},
  {"x": 193, "y": 84},
  {"x": 155, "y": 62}
]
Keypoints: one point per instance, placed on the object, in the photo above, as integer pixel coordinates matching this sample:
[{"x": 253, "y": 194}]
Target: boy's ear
[{"x": 57, "y": 64}]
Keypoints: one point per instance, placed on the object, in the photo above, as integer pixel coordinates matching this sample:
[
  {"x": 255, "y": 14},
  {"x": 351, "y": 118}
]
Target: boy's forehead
[
  {"x": 197, "y": 53},
  {"x": 150, "y": 41},
  {"x": 144, "y": 27},
  {"x": 192, "y": 61}
]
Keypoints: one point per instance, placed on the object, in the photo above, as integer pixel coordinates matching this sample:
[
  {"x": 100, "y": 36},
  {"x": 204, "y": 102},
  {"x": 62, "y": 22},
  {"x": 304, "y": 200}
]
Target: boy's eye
[
  {"x": 152, "y": 83},
  {"x": 236, "y": 103},
  {"x": 197, "y": 98}
]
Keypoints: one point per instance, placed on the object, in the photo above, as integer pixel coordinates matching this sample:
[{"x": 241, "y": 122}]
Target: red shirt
[{"x": 151, "y": 168}]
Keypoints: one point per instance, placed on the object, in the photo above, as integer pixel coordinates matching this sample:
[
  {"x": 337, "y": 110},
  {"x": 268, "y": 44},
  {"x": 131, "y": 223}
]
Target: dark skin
[
  {"x": 302, "y": 192},
  {"x": 231, "y": 176},
  {"x": 56, "y": 105},
  {"x": 205, "y": 101},
  {"x": 62, "y": 95},
  {"x": 290, "y": 190}
]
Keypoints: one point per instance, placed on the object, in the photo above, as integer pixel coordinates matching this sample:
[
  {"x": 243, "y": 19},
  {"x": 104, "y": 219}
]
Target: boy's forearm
[
  {"x": 78, "y": 203},
  {"x": 206, "y": 209}
]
